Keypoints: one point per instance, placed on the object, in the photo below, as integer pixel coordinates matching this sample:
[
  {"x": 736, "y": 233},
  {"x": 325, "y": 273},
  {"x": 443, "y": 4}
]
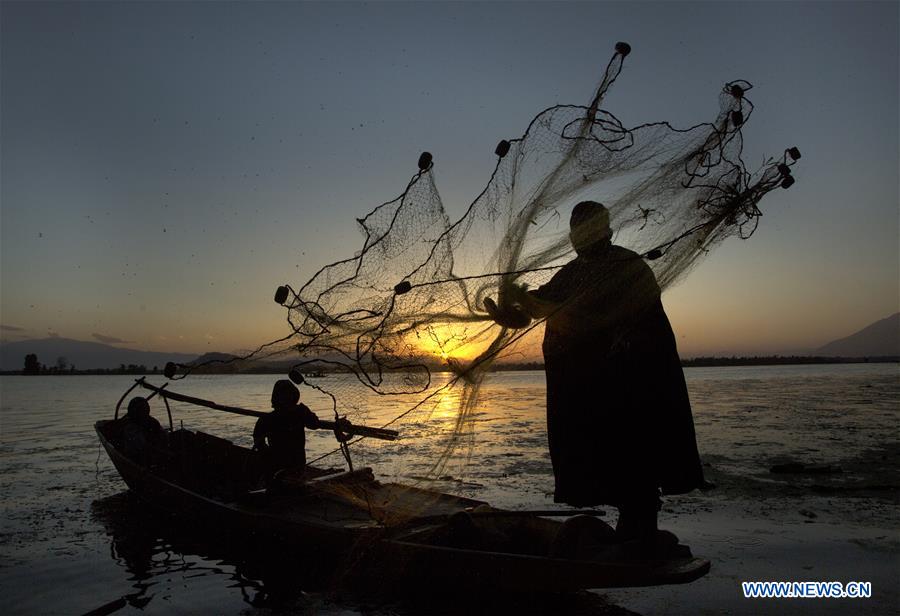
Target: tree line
[{"x": 62, "y": 366}]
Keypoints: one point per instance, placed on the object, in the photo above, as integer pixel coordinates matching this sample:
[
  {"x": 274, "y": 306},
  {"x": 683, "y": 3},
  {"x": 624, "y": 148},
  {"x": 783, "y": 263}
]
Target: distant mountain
[
  {"x": 83, "y": 355},
  {"x": 219, "y": 363},
  {"x": 880, "y": 339},
  {"x": 209, "y": 357}
]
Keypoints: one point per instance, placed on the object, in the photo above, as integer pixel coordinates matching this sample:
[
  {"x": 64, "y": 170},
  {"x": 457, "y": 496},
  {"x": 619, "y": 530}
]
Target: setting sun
[{"x": 449, "y": 342}]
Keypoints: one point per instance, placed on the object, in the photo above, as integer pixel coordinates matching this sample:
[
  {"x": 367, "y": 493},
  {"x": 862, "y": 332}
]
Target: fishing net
[{"x": 404, "y": 319}]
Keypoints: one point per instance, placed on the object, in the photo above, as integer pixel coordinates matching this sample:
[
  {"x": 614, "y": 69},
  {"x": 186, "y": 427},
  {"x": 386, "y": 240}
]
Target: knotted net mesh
[{"x": 404, "y": 318}]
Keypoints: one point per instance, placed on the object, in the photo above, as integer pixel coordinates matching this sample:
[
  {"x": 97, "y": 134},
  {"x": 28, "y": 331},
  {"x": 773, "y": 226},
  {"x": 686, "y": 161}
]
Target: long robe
[{"x": 618, "y": 414}]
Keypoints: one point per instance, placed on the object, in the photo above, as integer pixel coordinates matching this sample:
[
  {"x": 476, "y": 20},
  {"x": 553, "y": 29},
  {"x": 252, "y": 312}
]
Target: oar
[
  {"x": 108, "y": 608},
  {"x": 134, "y": 599},
  {"x": 345, "y": 427}
]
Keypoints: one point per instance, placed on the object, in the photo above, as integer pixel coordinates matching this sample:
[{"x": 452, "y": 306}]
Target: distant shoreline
[
  {"x": 769, "y": 360},
  {"x": 694, "y": 362},
  {"x": 780, "y": 360}
]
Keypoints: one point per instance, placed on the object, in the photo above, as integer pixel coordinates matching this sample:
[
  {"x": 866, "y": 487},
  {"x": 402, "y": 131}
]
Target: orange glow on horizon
[
  {"x": 446, "y": 342},
  {"x": 463, "y": 343}
]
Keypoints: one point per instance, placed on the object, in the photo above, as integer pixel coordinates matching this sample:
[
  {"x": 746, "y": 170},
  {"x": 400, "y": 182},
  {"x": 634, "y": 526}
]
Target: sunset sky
[{"x": 165, "y": 166}]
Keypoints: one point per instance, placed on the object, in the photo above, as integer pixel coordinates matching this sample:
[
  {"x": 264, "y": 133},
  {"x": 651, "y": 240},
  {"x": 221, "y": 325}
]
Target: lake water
[{"x": 72, "y": 540}]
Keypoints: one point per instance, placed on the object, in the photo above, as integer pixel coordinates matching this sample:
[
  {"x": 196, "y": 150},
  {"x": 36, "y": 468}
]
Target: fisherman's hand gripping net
[{"x": 412, "y": 300}]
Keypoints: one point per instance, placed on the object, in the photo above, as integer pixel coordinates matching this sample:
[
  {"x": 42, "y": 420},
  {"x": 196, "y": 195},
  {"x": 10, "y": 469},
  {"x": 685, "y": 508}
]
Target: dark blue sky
[{"x": 166, "y": 165}]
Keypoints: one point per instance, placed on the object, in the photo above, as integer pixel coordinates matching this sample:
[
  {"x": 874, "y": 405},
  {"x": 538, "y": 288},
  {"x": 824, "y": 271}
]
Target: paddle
[{"x": 345, "y": 426}]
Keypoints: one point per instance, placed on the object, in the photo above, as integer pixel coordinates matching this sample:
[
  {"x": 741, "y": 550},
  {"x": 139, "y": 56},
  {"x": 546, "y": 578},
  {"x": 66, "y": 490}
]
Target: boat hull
[
  {"x": 368, "y": 551},
  {"x": 248, "y": 519}
]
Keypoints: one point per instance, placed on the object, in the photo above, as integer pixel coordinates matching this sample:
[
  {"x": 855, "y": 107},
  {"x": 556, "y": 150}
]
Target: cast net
[{"x": 403, "y": 322}]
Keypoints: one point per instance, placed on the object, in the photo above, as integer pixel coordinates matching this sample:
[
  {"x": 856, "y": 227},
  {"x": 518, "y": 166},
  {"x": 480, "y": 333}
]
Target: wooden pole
[{"x": 347, "y": 428}]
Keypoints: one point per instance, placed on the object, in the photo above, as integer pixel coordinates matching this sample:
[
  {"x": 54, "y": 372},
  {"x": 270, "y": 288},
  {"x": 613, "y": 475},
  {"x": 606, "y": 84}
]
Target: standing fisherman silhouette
[{"x": 619, "y": 418}]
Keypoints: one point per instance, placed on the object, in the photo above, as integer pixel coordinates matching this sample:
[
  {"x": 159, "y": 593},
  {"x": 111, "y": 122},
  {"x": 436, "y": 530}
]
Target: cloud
[
  {"x": 11, "y": 328},
  {"x": 110, "y": 339},
  {"x": 53, "y": 334}
]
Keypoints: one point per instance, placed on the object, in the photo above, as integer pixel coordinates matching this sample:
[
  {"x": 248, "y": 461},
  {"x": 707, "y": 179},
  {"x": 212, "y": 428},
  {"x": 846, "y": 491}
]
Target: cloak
[{"x": 618, "y": 414}]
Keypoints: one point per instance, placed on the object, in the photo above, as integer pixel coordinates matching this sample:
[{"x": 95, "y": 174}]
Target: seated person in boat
[
  {"x": 619, "y": 419},
  {"x": 280, "y": 436},
  {"x": 140, "y": 431}
]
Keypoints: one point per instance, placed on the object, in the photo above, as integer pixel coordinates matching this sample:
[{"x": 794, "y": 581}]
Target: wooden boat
[{"x": 381, "y": 532}]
